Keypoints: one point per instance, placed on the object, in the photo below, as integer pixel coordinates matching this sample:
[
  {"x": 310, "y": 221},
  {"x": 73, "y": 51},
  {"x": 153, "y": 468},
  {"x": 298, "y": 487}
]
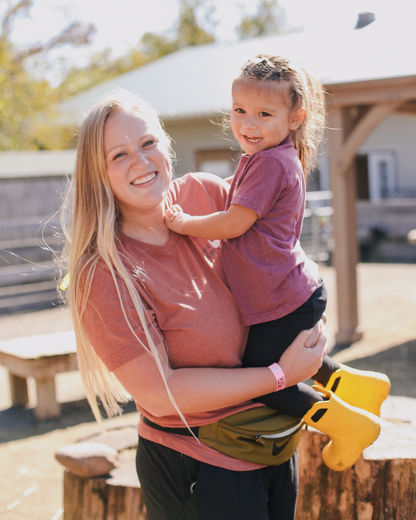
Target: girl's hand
[
  {"x": 175, "y": 219},
  {"x": 303, "y": 358}
]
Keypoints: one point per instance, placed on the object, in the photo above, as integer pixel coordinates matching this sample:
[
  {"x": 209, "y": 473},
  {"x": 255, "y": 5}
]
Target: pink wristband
[{"x": 279, "y": 376}]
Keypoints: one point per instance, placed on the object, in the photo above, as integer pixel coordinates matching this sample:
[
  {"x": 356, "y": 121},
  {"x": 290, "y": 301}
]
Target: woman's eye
[
  {"x": 120, "y": 154},
  {"x": 149, "y": 142}
]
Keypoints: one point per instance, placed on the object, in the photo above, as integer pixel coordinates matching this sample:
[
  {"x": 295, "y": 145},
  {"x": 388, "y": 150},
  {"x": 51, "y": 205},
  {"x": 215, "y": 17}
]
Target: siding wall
[{"x": 196, "y": 136}]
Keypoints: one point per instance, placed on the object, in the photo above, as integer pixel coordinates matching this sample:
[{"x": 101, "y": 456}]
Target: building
[{"x": 369, "y": 156}]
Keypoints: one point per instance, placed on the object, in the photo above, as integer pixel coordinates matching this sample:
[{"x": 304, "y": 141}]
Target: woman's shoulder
[
  {"x": 203, "y": 179},
  {"x": 199, "y": 189}
]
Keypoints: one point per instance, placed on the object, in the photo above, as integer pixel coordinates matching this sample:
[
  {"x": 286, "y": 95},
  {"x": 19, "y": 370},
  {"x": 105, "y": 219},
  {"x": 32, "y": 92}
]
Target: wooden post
[
  {"x": 47, "y": 406},
  {"x": 350, "y": 124},
  {"x": 18, "y": 388},
  {"x": 345, "y": 253}
]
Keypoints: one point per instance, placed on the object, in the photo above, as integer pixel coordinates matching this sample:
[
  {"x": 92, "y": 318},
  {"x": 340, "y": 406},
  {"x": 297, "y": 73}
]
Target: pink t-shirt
[
  {"x": 266, "y": 268},
  {"x": 189, "y": 305}
]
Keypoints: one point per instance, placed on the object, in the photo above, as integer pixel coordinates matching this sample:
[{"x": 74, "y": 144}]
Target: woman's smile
[
  {"x": 140, "y": 181},
  {"x": 137, "y": 161}
]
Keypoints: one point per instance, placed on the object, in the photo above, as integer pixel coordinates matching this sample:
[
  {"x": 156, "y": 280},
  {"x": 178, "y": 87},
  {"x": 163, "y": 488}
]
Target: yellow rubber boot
[
  {"x": 350, "y": 429},
  {"x": 363, "y": 389}
]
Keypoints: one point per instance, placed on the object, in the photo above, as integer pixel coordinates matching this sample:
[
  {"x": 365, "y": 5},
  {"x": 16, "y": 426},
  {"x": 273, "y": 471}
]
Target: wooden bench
[
  {"x": 40, "y": 357},
  {"x": 381, "y": 485}
]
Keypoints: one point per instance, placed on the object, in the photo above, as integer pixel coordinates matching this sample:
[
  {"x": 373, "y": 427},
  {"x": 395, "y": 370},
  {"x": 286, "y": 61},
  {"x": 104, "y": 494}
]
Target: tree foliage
[
  {"x": 25, "y": 95},
  {"x": 187, "y": 31},
  {"x": 269, "y": 18},
  {"x": 27, "y": 99}
]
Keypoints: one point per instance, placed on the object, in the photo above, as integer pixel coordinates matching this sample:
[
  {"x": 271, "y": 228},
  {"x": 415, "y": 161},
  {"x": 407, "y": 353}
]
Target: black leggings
[
  {"x": 267, "y": 342},
  {"x": 178, "y": 487}
]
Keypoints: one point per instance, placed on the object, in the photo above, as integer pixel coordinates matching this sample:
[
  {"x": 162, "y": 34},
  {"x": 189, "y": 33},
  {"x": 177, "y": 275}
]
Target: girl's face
[
  {"x": 138, "y": 165},
  {"x": 260, "y": 119}
]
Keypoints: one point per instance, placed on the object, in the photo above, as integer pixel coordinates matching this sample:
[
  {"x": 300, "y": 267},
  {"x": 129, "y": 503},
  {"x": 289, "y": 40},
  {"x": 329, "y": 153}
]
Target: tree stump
[
  {"x": 117, "y": 496},
  {"x": 380, "y": 486}
]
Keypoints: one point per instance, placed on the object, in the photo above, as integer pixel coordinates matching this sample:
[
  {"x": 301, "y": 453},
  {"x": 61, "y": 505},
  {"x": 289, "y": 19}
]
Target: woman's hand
[
  {"x": 303, "y": 358},
  {"x": 175, "y": 219}
]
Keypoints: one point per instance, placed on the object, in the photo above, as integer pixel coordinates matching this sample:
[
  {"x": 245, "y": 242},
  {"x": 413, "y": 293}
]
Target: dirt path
[{"x": 31, "y": 478}]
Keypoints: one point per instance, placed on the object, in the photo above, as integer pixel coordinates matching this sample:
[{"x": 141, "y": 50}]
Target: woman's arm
[
  {"x": 206, "y": 389},
  {"x": 221, "y": 225}
]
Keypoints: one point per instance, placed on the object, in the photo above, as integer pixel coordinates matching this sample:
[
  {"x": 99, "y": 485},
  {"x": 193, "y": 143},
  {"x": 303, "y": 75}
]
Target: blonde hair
[
  {"x": 91, "y": 222},
  {"x": 303, "y": 92}
]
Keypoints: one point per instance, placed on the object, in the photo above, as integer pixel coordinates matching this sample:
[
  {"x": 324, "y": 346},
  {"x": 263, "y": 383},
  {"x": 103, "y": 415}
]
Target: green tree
[
  {"x": 269, "y": 18},
  {"x": 189, "y": 31},
  {"x": 186, "y": 31},
  {"x": 100, "y": 67},
  {"x": 24, "y": 95},
  {"x": 194, "y": 26},
  {"x": 27, "y": 100}
]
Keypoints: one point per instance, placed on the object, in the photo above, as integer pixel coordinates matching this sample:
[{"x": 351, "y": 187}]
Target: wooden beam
[
  {"x": 408, "y": 108},
  {"x": 355, "y": 95},
  {"x": 360, "y": 132}
]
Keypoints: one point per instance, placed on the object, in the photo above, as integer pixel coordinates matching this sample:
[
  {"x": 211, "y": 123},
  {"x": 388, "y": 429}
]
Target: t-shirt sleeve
[
  {"x": 262, "y": 185},
  {"x": 106, "y": 325},
  {"x": 199, "y": 193}
]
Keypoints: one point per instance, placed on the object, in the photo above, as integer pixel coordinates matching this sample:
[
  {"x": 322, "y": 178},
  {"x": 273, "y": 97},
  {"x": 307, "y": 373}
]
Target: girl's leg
[
  {"x": 177, "y": 487},
  {"x": 296, "y": 400},
  {"x": 267, "y": 342},
  {"x": 329, "y": 367}
]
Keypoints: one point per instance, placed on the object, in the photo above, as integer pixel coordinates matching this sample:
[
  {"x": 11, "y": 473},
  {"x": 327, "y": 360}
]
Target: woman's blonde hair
[
  {"x": 91, "y": 221},
  {"x": 303, "y": 92}
]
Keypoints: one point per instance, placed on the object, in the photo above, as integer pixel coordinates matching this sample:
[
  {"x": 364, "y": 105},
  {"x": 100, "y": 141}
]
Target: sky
[{"x": 121, "y": 23}]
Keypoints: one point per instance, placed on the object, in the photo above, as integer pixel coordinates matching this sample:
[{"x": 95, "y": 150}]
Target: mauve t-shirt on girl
[{"x": 267, "y": 270}]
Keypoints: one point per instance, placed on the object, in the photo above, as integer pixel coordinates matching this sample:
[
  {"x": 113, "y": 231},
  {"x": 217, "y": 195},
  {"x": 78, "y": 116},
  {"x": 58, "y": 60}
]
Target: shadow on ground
[
  {"x": 398, "y": 362},
  {"x": 20, "y": 423}
]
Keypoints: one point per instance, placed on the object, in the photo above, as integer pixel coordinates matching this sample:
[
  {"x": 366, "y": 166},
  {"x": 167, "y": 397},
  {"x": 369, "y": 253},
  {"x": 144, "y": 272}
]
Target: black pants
[
  {"x": 177, "y": 487},
  {"x": 267, "y": 342}
]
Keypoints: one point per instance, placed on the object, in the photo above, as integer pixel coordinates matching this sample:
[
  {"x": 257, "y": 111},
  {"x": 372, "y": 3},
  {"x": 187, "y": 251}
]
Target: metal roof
[
  {"x": 39, "y": 163},
  {"x": 196, "y": 81}
]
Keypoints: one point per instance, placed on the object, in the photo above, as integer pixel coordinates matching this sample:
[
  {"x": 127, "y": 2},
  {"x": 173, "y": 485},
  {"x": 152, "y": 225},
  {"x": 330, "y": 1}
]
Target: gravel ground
[{"x": 32, "y": 479}]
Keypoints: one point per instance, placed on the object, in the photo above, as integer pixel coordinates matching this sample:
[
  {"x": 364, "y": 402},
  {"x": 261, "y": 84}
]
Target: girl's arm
[
  {"x": 206, "y": 389},
  {"x": 221, "y": 225}
]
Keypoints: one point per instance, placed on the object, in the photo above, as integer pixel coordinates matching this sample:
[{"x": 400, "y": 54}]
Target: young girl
[{"x": 278, "y": 118}]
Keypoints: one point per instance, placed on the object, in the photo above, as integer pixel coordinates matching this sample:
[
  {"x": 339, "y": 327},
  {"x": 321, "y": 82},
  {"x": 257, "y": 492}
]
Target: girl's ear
[{"x": 296, "y": 118}]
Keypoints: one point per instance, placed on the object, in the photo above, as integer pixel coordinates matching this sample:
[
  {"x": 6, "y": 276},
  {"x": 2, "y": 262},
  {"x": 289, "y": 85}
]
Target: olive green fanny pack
[{"x": 260, "y": 435}]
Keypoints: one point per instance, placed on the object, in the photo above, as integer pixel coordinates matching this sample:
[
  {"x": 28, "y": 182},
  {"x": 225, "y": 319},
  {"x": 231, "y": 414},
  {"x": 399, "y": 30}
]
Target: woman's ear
[{"x": 296, "y": 118}]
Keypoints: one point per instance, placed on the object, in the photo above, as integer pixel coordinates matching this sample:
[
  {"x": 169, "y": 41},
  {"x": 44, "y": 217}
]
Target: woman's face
[{"x": 138, "y": 166}]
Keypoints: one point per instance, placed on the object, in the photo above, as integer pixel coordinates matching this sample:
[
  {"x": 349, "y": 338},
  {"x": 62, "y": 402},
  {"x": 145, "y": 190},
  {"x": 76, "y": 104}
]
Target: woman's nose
[{"x": 140, "y": 160}]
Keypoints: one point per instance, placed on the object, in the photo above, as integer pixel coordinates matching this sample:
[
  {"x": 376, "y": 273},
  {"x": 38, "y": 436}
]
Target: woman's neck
[{"x": 150, "y": 228}]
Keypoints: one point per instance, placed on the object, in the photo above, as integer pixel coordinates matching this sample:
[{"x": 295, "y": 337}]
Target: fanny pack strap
[{"x": 177, "y": 431}]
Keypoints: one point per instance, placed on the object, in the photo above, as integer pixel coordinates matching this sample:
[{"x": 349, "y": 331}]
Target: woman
[{"x": 155, "y": 307}]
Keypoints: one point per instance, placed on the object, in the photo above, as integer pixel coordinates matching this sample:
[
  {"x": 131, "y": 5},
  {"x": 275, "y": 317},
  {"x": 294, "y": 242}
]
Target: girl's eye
[
  {"x": 239, "y": 111},
  {"x": 264, "y": 114}
]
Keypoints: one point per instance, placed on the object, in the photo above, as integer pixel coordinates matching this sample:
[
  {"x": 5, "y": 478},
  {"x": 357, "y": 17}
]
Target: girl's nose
[{"x": 248, "y": 122}]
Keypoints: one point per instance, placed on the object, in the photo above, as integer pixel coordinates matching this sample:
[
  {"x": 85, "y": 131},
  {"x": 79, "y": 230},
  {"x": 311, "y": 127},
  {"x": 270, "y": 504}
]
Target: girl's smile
[{"x": 260, "y": 118}]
